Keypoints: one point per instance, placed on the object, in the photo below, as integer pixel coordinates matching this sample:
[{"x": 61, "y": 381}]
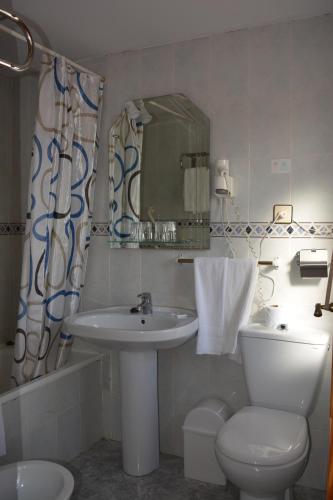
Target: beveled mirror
[{"x": 159, "y": 175}]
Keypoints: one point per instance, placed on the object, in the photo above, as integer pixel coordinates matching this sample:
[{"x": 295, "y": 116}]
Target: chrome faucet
[{"x": 145, "y": 306}]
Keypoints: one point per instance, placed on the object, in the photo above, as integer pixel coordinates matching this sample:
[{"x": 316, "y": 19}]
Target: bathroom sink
[
  {"x": 117, "y": 329},
  {"x": 138, "y": 337}
]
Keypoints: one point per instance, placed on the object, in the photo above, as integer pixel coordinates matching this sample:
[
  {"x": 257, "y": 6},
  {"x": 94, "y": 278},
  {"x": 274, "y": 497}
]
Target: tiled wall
[
  {"x": 268, "y": 93},
  {"x": 9, "y": 161},
  {"x": 18, "y": 104}
]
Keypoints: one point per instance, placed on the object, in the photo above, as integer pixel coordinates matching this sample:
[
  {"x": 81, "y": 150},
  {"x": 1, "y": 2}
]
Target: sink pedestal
[{"x": 139, "y": 412}]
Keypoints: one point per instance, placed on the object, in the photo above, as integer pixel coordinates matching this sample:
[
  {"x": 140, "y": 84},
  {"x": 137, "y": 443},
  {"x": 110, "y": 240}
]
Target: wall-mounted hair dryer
[{"x": 223, "y": 184}]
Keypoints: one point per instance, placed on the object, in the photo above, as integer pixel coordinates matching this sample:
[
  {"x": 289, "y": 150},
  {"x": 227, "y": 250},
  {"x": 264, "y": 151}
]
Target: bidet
[{"x": 35, "y": 479}]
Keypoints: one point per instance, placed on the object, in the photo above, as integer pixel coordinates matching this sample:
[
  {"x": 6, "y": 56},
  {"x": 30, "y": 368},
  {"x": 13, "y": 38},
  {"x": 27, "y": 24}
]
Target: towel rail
[
  {"x": 30, "y": 43},
  {"x": 183, "y": 260}
]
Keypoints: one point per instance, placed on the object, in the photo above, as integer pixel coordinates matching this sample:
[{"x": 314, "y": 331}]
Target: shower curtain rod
[{"x": 51, "y": 52}]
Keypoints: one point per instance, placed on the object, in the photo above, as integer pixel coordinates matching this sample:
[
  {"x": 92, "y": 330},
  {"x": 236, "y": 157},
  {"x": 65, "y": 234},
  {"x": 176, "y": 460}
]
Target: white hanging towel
[
  {"x": 196, "y": 190},
  {"x": 224, "y": 291},
  {"x": 2, "y": 435}
]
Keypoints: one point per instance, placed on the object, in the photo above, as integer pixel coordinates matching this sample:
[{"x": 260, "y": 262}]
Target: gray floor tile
[{"x": 98, "y": 475}]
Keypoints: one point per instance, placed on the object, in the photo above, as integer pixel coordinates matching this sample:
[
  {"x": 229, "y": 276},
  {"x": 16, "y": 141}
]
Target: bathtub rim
[{"x": 15, "y": 392}]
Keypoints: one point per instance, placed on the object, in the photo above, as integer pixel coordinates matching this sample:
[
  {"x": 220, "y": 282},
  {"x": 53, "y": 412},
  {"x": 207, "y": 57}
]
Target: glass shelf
[{"x": 155, "y": 243}]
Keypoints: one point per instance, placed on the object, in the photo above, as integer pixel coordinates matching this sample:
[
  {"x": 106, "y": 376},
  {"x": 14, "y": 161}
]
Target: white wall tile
[
  {"x": 311, "y": 194},
  {"x": 14, "y": 429},
  {"x": 159, "y": 270},
  {"x": 42, "y": 438},
  {"x": 91, "y": 383},
  {"x": 320, "y": 416},
  {"x": 229, "y": 100},
  {"x": 125, "y": 276},
  {"x": 227, "y": 382},
  {"x": 70, "y": 442},
  {"x": 192, "y": 62},
  {"x": 266, "y": 189},
  {"x": 97, "y": 287},
  {"x": 66, "y": 392},
  {"x": 312, "y": 80},
  {"x": 316, "y": 470},
  {"x": 91, "y": 406},
  {"x": 269, "y": 91},
  {"x": 123, "y": 83},
  {"x": 37, "y": 403},
  {"x": 92, "y": 423},
  {"x": 166, "y": 384},
  {"x": 157, "y": 71},
  {"x": 111, "y": 415}
]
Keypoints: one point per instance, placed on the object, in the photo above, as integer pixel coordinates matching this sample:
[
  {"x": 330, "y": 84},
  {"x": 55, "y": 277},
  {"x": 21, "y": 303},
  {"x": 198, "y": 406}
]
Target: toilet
[
  {"x": 263, "y": 448},
  {"x": 35, "y": 480}
]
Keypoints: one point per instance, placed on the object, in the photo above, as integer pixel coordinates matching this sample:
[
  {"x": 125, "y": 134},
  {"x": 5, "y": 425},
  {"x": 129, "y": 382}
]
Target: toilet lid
[{"x": 261, "y": 436}]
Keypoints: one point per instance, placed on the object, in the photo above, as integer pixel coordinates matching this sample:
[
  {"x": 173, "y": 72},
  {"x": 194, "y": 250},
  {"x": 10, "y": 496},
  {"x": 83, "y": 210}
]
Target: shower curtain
[
  {"x": 125, "y": 150},
  {"x": 59, "y": 215}
]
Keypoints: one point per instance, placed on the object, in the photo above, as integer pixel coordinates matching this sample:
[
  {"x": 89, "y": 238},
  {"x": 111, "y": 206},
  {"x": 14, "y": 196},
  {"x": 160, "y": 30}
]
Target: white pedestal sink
[{"x": 138, "y": 337}]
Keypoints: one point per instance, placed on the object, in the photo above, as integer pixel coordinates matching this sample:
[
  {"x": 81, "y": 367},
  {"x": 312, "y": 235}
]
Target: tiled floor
[{"x": 98, "y": 476}]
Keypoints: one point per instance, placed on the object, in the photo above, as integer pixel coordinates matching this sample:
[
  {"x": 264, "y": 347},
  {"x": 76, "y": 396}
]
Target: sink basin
[
  {"x": 117, "y": 329},
  {"x": 138, "y": 337}
]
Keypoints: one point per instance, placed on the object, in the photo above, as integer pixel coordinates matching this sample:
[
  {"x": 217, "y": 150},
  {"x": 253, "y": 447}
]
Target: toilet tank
[{"x": 283, "y": 367}]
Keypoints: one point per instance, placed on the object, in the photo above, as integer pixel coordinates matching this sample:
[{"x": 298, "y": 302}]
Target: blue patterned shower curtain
[
  {"x": 125, "y": 150},
  {"x": 59, "y": 216}
]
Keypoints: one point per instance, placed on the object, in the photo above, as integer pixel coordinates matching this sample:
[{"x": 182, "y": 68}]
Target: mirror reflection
[{"x": 159, "y": 174}]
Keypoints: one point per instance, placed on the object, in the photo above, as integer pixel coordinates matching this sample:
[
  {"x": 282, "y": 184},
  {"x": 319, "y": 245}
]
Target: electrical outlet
[{"x": 285, "y": 214}]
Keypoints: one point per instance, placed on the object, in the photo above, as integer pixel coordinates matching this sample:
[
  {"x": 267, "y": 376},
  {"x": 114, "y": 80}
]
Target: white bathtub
[{"x": 55, "y": 417}]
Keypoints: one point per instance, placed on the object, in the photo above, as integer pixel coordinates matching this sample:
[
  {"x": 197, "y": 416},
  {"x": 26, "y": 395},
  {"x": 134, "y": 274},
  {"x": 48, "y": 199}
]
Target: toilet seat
[{"x": 265, "y": 437}]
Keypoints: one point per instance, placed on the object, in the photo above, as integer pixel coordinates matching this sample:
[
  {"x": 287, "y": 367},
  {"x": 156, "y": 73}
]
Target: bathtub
[{"x": 55, "y": 417}]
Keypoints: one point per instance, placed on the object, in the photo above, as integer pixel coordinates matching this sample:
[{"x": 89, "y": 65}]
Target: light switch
[{"x": 281, "y": 166}]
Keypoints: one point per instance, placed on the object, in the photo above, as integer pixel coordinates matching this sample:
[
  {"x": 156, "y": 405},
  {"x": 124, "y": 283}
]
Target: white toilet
[{"x": 263, "y": 448}]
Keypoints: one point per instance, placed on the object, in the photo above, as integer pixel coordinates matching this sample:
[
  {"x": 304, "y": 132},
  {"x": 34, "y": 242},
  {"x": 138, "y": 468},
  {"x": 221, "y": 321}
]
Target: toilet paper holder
[{"x": 312, "y": 263}]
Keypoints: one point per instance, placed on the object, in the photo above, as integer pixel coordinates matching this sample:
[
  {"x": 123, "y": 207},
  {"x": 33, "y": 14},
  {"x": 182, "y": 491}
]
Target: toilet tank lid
[{"x": 301, "y": 335}]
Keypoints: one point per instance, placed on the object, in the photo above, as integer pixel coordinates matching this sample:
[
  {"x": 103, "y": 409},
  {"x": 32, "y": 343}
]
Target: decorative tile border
[
  {"x": 99, "y": 229},
  {"x": 259, "y": 229},
  {"x": 11, "y": 228},
  {"x": 218, "y": 229}
]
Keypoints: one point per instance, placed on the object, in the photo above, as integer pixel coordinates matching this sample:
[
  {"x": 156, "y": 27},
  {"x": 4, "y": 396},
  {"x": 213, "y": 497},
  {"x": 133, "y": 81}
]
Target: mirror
[{"x": 159, "y": 175}]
